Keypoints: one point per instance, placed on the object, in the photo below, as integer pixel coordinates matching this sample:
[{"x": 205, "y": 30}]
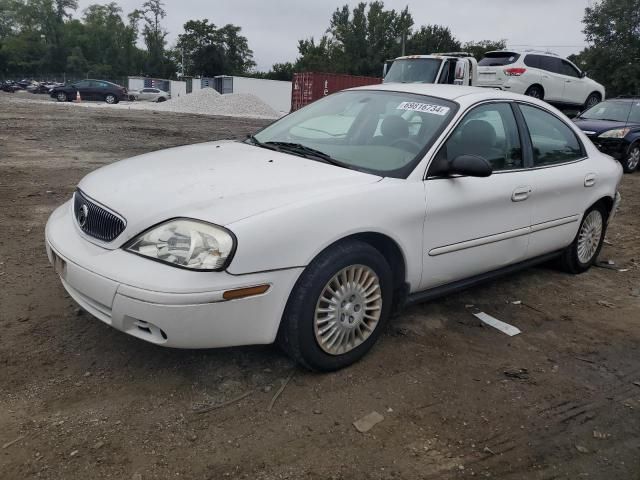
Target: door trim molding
[
  {"x": 554, "y": 223},
  {"x": 499, "y": 237},
  {"x": 477, "y": 242}
]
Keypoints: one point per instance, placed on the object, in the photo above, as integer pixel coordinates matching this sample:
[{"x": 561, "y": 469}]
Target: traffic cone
[{"x": 78, "y": 97}]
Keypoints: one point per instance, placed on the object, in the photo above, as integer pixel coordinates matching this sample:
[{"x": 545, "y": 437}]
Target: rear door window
[
  {"x": 497, "y": 59},
  {"x": 552, "y": 140},
  {"x": 533, "y": 61},
  {"x": 550, "y": 64}
]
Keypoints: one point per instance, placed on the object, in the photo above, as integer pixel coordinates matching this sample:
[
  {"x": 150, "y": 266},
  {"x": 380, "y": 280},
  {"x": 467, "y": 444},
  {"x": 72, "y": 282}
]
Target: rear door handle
[
  {"x": 590, "y": 180},
  {"x": 520, "y": 194}
]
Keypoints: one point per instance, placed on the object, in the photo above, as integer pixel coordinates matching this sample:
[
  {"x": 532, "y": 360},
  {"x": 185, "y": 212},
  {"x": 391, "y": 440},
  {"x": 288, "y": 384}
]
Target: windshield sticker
[{"x": 423, "y": 107}]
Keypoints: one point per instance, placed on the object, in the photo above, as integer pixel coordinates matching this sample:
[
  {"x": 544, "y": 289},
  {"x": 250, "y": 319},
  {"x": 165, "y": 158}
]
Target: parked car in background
[
  {"x": 10, "y": 86},
  {"x": 542, "y": 75},
  {"x": 149, "y": 95},
  {"x": 312, "y": 237},
  {"x": 614, "y": 127},
  {"x": 90, "y": 90}
]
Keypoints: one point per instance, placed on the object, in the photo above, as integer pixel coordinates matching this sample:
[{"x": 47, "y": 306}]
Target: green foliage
[
  {"x": 360, "y": 40},
  {"x": 209, "y": 51},
  {"x": 613, "y": 58},
  {"x": 432, "y": 39},
  {"x": 478, "y": 49}
]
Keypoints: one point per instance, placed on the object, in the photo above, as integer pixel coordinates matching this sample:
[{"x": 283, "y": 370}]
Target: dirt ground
[{"x": 79, "y": 400}]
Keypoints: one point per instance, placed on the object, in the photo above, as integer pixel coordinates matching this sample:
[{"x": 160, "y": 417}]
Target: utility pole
[{"x": 404, "y": 41}]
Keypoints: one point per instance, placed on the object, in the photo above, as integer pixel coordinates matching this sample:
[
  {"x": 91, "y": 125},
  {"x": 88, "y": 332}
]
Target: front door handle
[
  {"x": 520, "y": 194},
  {"x": 590, "y": 180}
]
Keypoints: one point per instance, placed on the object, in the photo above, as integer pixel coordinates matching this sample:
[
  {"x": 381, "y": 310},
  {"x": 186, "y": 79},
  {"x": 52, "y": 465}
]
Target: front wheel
[
  {"x": 111, "y": 99},
  {"x": 630, "y": 163},
  {"x": 338, "y": 308},
  {"x": 583, "y": 252}
]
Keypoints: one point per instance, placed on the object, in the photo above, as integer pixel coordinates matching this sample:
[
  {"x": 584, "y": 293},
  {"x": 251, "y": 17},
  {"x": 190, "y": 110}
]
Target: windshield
[
  {"x": 372, "y": 131},
  {"x": 497, "y": 59},
  {"x": 616, "y": 111},
  {"x": 414, "y": 70}
]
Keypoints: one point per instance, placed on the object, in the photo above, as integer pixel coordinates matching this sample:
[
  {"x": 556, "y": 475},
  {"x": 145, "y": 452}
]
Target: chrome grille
[{"x": 96, "y": 221}]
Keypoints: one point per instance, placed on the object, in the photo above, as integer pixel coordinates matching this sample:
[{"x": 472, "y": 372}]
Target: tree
[
  {"x": 478, "y": 49},
  {"x": 154, "y": 35},
  {"x": 76, "y": 63},
  {"x": 209, "y": 51},
  {"x": 612, "y": 27},
  {"x": 432, "y": 39}
]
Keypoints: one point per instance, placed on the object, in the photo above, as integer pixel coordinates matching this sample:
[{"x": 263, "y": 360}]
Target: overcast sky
[{"x": 274, "y": 27}]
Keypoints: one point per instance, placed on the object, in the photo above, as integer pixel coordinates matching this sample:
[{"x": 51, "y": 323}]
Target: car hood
[
  {"x": 599, "y": 126},
  {"x": 218, "y": 182}
]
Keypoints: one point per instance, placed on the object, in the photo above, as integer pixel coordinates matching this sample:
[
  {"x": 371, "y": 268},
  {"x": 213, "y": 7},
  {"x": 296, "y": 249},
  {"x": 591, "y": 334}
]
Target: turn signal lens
[
  {"x": 245, "y": 292},
  {"x": 514, "y": 72}
]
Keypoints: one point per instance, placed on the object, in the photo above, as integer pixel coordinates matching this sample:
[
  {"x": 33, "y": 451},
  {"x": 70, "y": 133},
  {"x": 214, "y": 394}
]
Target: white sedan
[
  {"x": 149, "y": 95},
  {"x": 315, "y": 229}
]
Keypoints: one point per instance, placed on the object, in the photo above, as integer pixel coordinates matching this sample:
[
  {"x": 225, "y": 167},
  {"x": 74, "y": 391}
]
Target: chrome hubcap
[
  {"x": 592, "y": 101},
  {"x": 110, "y": 99},
  {"x": 589, "y": 236},
  {"x": 348, "y": 310},
  {"x": 62, "y": 97},
  {"x": 634, "y": 158}
]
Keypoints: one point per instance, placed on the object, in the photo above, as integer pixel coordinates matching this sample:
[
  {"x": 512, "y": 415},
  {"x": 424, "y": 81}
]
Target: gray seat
[{"x": 393, "y": 128}]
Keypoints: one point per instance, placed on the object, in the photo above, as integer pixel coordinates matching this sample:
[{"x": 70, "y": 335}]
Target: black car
[
  {"x": 90, "y": 90},
  {"x": 614, "y": 127}
]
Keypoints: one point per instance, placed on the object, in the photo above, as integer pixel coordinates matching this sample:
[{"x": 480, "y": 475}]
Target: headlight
[
  {"x": 187, "y": 244},
  {"x": 617, "y": 133}
]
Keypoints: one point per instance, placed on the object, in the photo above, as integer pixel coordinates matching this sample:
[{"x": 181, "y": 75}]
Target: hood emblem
[{"x": 83, "y": 215}]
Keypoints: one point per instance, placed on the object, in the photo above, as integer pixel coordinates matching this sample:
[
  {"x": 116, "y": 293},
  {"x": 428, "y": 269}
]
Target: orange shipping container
[{"x": 309, "y": 87}]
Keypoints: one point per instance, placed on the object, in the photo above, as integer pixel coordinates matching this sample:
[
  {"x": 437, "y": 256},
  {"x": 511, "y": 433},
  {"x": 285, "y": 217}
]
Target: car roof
[{"x": 460, "y": 94}]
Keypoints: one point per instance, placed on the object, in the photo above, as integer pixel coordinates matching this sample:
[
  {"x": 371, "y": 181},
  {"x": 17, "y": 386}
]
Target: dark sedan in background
[
  {"x": 614, "y": 127},
  {"x": 90, "y": 90}
]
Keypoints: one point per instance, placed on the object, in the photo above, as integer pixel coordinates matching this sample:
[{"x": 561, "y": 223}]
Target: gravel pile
[{"x": 209, "y": 102}]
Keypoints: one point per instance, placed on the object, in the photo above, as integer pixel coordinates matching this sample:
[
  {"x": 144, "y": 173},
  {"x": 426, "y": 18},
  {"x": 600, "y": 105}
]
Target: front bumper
[{"x": 162, "y": 304}]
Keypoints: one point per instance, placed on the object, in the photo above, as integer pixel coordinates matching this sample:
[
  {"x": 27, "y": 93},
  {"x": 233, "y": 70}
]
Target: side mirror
[
  {"x": 583, "y": 74},
  {"x": 470, "y": 166}
]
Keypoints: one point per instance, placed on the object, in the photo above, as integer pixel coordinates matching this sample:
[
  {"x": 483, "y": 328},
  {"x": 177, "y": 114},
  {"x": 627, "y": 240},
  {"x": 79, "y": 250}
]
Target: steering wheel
[{"x": 413, "y": 146}]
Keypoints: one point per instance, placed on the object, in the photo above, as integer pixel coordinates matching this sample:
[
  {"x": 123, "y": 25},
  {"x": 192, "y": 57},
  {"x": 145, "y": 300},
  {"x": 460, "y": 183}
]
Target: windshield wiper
[
  {"x": 303, "y": 150},
  {"x": 258, "y": 143}
]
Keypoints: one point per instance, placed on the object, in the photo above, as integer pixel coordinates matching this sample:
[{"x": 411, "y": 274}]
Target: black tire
[
  {"x": 535, "y": 91},
  {"x": 297, "y": 335},
  {"x": 162, "y": 99},
  {"x": 570, "y": 261},
  {"x": 592, "y": 100},
  {"x": 111, "y": 99},
  {"x": 62, "y": 97},
  {"x": 630, "y": 161}
]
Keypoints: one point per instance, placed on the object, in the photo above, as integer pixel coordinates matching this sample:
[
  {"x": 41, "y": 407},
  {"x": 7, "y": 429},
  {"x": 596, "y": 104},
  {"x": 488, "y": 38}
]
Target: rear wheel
[
  {"x": 630, "y": 163},
  {"x": 61, "y": 97},
  {"x": 583, "y": 252},
  {"x": 535, "y": 91},
  {"x": 162, "y": 99},
  {"x": 338, "y": 308}
]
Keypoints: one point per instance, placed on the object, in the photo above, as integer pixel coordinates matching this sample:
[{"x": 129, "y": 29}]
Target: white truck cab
[{"x": 453, "y": 68}]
